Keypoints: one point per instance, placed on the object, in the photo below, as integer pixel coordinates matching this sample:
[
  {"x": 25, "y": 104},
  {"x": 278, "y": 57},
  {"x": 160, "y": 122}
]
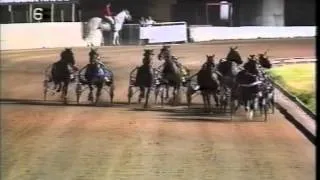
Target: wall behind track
[{"x": 70, "y": 34}]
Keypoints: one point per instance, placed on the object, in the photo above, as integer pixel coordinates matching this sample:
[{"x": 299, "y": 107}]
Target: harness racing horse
[
  {"x": 62, "y": 72},
  {"x": 268, "y": 89},
  {"x": 229, "y": 67},
  {"x": 96, "y": 74},
  {"x": 254, "y": 87},
  {"x": 145, "y": 76},
  {"x": 248, "y": 91},
  {"x": 208, "y": 80},
  {"x": 173, "y": 74},
  {"x": 96, "y": 24}
]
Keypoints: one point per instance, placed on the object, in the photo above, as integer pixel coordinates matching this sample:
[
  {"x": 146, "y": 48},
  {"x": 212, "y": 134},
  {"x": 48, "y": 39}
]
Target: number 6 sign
[{"x": 38, "y": 14}]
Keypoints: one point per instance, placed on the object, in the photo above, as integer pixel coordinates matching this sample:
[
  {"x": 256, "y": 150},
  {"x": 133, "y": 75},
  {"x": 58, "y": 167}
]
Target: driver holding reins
[{"x": 107, "y": 14}]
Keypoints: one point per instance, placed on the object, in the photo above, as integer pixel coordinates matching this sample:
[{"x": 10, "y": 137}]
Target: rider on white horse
[{"x": 107, "y": 14}]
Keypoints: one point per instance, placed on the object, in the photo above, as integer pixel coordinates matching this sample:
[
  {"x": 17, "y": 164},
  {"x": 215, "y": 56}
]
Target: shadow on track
[
  {"x": 195, "y": 114},
  {"x": 57, "y": 103},
  {"x": 167, "y": 113}
]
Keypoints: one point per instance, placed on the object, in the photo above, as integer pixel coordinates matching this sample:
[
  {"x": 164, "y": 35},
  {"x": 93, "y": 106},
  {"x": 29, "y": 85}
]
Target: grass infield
[{"x": 299, "y": 80}]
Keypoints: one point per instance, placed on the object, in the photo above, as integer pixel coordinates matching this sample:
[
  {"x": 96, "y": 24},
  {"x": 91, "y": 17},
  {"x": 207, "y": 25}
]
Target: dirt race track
[{"x": 57, "y": 142}]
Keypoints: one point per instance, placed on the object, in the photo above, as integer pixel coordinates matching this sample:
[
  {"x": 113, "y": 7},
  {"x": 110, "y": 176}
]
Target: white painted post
[
  {"x": 79, "y": 15},
  {"x": 62, "y": 15},
  {"x": 11, "y": 13},
  {"x": 30, "y": 13},
  {"x": 52, "y": 12},
  {"x": 73, "y": 12},
  {"x": 207, "y": 18}
]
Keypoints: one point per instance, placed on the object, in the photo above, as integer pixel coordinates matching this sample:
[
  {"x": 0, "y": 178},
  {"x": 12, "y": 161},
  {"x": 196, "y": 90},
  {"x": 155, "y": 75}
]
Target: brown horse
[
  {"x": 173, "y": 74},
  {"x": 145, "y": 76},
  {"x": 208, "y": 80},
  {"x": 62, "y": 72}
]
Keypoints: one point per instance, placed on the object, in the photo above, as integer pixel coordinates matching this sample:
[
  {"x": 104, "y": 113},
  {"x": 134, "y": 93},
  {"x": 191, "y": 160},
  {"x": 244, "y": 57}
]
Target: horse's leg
[
  {"x": 203, "y": 94},
  {"x": 102, "y": 39},
  {"x": 118, "y": 38},
  {"x": 114, "y": 38},
  {"x": 177, "y": 95},
  {"x": 246, "y": 104},
  {"x": 142, "y": 94},
  {"x": 174, "y": 95},
  {"x": 62, "y": 84},
  {"x": 98, "y": 93},
  {"x": 156, "y": 93},
  {"x": 59, "y": 86},
  {"x": 65, "y": 90},
  {"x": 55, "y": 84},
  {"x": 147, "y": 98},
  {"x": 216, "y": 98},
  {"x": 167, "y": 91},
  {"x": 90, "y": 95},
  {"x": 207, "y": 97},
  {"x": 209, "y": 93}
]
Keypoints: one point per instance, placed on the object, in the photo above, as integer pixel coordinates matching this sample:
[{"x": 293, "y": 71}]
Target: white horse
[{"x": 95, "y": 26}]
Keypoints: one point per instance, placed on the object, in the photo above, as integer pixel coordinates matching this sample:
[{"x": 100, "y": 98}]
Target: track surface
[{"x": 123, "y": 142}]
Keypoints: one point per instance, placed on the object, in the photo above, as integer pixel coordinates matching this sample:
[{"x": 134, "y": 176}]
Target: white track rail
[
  {"x": 301, "y": 116},
  {"x": 294, "y": 60}
]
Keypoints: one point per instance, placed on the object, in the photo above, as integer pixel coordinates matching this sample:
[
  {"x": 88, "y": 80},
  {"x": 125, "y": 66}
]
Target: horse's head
[
  {"x": 253, "y": 60},
  {"x": 264, "y": 60},
  {"x": 251, "y": 65},
  {"x": 93, "y": 51},
  {"x": 210, "y": 58},
  {"x": 125, "y": 14},
  {"x": 234, "y": 55},
  {"x": 93, "y": 54},
  {"x": 67, "y": 56},
  {"x": 147, "y": 56},
  {"x": 165, "y": 53}
]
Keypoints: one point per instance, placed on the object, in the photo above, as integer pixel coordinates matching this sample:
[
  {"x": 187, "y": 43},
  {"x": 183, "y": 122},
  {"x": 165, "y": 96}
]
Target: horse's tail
[
  {"x": 88, "y": 27},
  {"x": 93, "y": 32}
]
